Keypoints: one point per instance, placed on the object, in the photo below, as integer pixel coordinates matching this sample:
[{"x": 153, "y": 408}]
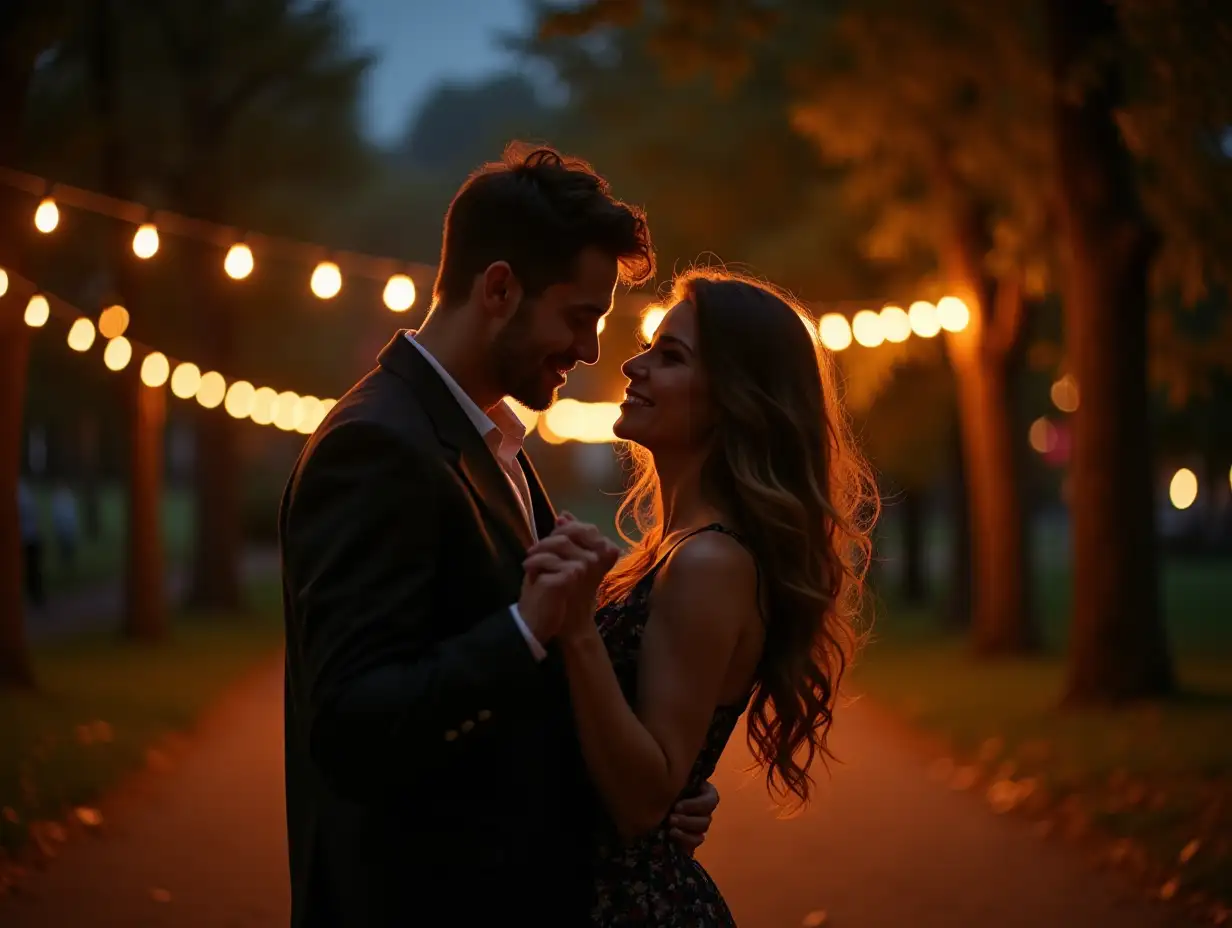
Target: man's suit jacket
[{"x": 433, "y": 775}]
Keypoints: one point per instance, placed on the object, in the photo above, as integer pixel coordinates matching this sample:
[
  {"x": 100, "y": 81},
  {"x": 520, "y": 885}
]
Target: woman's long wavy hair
[{"x": 784, "y": 466}]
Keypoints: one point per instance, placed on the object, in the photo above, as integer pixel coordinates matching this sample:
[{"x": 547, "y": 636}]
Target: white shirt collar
[{"x": 510, "y": 432}]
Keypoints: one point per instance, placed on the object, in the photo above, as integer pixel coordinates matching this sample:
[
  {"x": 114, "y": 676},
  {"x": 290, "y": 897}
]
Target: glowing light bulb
[
  {"x": 118, "y": 353},
  {"x": 238, "y": 264},
  {"x": 264, "y": 400},
  {"x": 895, "y": 324},
  {"x": 923, "y": 318},
  {"x": 81, "y": 334},
  {"x": 47, "y": 216},
  {"x": 834, "y": 331},
  {"x": 866, "y": 328},
  {"x": 4, "y": 281},
  {"x": 286, "y": 410},
  {"x": 399, "y": 293},
  {"x": 113, "y": 322},
  {"x": 238, "y": 403},
  {"x": 326, "y": 280},
  {"x": 1064, "y": 394},
  {"x": 145, "y": 241},
  {"x": 211, "y": 390},
  {"x": 38, "y": 311},
  {"x": 1043, "y": 435},
  {"x": 953, "y": 314},
  {"x": 1183, "y": 489},
  {"x": 185, "y": 380},
  {"x": 155, "y": 369}
]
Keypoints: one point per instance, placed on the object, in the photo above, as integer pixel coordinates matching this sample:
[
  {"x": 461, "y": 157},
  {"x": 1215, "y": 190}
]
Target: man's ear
[{"x": 500, "y": 289}]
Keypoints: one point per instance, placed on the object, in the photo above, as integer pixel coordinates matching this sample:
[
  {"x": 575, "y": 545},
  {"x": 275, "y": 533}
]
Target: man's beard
[{"x": 519, "y": 366}]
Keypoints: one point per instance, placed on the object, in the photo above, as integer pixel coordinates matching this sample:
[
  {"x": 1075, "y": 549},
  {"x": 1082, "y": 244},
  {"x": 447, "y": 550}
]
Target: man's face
[{"x": 546, "y": 336}]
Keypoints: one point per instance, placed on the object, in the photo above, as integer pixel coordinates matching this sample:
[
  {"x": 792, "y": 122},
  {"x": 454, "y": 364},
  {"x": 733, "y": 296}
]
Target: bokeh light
[
  {"x": 1043, "y": 435},
  {"x": 238, "y": 402},
  {"x": 834, "y": 331},
  {"x": 866, "y": 328},
  {"x": 113, "y": 321},
  {"x": 38, "y": 311},
  {"x": 953, "y": 314},
  {"x": 155, "y": 369},
  {"x": 399, "y": 293},
  {"x": 263, "y": 402},
  {"x": 923, "y": 318},
  {"x": 238, "y": 264},
  {"x": 1183, "y": 488},
  {"x": 572, "y": 420},
  {"x": 1064, "y": 393},
  {"x": 326, "y": 280},
  {"x": 286, "y": 410},
  {"x": 47, "y": 216},
  {"x": 81, "y": 334},
  {"x": 118, "y": 353},
  {"x": 185, "y": 379},
  {"x": 4, "y": 281},
  {"x": 895, "y": 324},
  {"x": 211, "y": 390},
  {"x": 145, "y": 241}
]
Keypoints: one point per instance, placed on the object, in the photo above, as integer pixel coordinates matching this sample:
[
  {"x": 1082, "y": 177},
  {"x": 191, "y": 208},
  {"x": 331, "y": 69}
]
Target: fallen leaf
[
  {"x": 1188, "y": 851},
  {"x": 815, "y": 918},
  {"x": 160, "y": 895}
]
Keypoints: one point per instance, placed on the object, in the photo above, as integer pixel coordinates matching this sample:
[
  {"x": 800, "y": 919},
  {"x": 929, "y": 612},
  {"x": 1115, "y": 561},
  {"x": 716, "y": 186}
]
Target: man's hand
[
  {"x": 591, "y": 554},
  {"x": 691, "y": 818}
]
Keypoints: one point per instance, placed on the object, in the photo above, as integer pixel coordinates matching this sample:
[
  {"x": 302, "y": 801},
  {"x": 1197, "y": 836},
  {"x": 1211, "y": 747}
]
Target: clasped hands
[{"x": 563, "y": 573}]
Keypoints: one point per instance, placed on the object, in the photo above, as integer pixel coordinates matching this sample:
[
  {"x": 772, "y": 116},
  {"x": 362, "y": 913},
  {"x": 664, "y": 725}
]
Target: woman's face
[{"x": 666, "y": 405}]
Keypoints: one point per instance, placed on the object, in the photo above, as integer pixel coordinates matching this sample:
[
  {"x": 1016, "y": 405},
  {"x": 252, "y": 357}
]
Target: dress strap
[{"x": 712, "y": 527}]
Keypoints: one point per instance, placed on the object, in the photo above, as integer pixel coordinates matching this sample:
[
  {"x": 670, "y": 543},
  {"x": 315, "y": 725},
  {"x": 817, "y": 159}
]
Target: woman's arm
[{"x": 703, "y": 599}]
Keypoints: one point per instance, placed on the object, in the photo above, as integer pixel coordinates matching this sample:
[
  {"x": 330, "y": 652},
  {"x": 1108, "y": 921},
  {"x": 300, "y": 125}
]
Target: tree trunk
[
  {"x": 145, "y": 604},
  {"x": 216, "y": 581},
  {"x": 145, "y": 599},
  {"x": 959, "y": 612},
  {"x": 1118, "y": 650},
  {"x": 913, "y": 519},
  {"x": 16, "y": 669},
  {"x": 1000, "y": 620}
]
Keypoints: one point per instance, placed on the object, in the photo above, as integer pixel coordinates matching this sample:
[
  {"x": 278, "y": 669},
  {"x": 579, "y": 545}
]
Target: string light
[
  {"x": 145, "y": 241},
  {"x": 211, "y": 390},
  {"x": 155, "y": 370},
  {"x": 1183, "y": 488},
  {"x": 923, "y": 318},
  {"x": 866, "y": 328},
  {"x": 4, "y": 281},
  {"x": 38, "y": 311},
  {"x": 81, "y": 335},
  {"x": 834, "y": 331},
  {"x": 238, "y": 402},
  {"x": 895, "y": 324},
  {"x": 1064, "y": 393},
  {"x": 263, "y": 400},
  {"x": 326, "y": 280},
  {"x": 113, "y": 321},
  {"x": 185, "y": 379},
  {"x": 47, "y": 216},
  {"x": 286, "y": 410},
  {"x": 953, "y": 314},
  {"x": 238, "y": 263},
  {"x": 399, "y": 293},
  {"x": 118, "y": 353}
]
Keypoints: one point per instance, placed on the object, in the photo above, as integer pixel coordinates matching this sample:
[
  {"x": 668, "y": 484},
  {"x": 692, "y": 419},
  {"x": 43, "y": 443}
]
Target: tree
[
  {"x": 1118, "y": 649},
  {"x": 26, "y": 30}
]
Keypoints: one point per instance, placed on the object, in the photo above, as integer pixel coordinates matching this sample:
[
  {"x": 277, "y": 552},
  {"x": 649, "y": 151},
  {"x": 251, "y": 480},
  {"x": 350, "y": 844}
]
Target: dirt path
[{"x": 203, "y": 845}]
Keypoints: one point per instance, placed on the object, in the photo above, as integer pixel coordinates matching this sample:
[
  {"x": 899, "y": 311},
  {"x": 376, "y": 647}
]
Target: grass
[
  {"x": 103, "y": 704},
  {"x": 1156, "y": 779}
]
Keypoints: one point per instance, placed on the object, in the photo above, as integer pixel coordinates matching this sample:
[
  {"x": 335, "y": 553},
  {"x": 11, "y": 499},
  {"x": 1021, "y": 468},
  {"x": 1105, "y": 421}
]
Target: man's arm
[{"x": 386, "y": 699}]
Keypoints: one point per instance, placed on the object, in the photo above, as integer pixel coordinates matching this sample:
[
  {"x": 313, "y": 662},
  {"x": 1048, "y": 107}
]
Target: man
[{"x": 433, "y": 774}]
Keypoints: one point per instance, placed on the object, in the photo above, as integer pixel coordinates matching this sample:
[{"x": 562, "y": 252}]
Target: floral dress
[{"x": 651, "y": 880}]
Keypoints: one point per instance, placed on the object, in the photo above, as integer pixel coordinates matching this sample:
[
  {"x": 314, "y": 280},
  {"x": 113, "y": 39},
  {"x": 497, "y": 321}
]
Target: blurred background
[{"x": 1011, "y": 222}]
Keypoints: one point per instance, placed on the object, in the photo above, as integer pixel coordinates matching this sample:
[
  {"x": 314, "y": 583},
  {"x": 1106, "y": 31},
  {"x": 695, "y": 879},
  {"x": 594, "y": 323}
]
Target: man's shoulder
[{"x": 384, "y": 403}]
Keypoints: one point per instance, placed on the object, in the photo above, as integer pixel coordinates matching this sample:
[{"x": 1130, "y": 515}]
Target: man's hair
[{"x": 537, "y": 210}]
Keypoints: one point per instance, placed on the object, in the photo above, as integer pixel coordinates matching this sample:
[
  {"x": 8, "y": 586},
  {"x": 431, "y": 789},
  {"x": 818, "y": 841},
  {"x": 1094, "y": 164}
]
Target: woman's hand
[{"x": 581, "y": 545}]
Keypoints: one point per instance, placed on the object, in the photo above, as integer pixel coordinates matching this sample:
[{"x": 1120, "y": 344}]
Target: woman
[{"x": 753, "y": 508}]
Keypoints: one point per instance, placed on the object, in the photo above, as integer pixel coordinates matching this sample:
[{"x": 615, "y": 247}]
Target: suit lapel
[
  {"x": 543, "y": 512},
  {"x": 471, "y": 457}
]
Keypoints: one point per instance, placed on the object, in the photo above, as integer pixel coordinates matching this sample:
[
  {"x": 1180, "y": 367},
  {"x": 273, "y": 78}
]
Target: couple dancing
[{"x": 492, "y": 715}]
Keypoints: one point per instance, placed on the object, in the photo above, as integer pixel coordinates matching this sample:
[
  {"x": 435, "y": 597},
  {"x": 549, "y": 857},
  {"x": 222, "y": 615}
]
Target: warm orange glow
[
  {"x": 38, "y": 311},
  {"x": 528, "y": 417},
  {"x": 601, "y": 325},
  {"x": 923, "y": 318},
  {"x": 399, "y": 293},
  {"x": 326, "y": 280},
  {"x": 238, "y": 402},
  {"x": 118, "y": 353},
  {"x": 866, "y": 328},
  {"x": 953, "y": 314},
  {"x": 1183, "y": 489},
  {"x": 81, "y": 334},
  {"x": 651, "y": 319},
  {"x": 113, "y": 322},
  {"x": 1064, "y": 393},
  {"x": 238, "y": 264},
  {"x": 47, "y": 216},
  {"x": 4, "y": 281},
  {"x": 286, "y": 410},
  {"x": 895, "y": 324},
  {"x": 211, "y": 390},
  {"x": 185, "y": 379},
  {"x": 145, "y": 241},
  {"x": 1043, "y": 435},
  {"x": 586, "y": 422},
  {"x": 155, "y": 369},
  {"x": 307, "y": 414}
]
